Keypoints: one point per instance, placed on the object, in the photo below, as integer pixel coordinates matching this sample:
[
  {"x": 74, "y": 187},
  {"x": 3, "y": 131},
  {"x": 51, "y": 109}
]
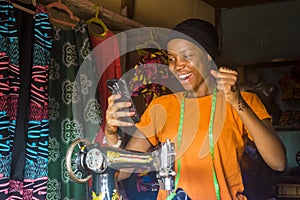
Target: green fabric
[{"x": 66, "y": 97}]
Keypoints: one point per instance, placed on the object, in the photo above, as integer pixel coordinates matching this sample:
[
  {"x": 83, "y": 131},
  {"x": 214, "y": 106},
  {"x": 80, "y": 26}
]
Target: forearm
[
  {"x": 138, "y": 142},
  {"x": 264, "y": 136}
]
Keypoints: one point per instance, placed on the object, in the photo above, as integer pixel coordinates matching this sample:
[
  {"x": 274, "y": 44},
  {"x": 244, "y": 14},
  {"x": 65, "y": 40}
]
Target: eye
[
  {"x": 171, "y": 59},
  {"x": 188, "y": 56}
]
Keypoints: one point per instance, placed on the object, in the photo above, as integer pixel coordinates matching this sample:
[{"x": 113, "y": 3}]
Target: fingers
[
  {"x": 225, "y": 73},
  {"x": 112, "y": 124},
  {"x": 113, "y": 115},
  {"x": 115, "y": 112},
  {"x": 112, "y": 98},
  {"x": 227, "y": 79},
  {"x": 228, "y": 70}
]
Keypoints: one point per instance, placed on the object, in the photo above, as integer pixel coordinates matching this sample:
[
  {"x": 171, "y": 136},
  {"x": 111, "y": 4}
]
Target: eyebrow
[
  {"x": 180, "y": 52},
  {"x": 186, "y": 50}
]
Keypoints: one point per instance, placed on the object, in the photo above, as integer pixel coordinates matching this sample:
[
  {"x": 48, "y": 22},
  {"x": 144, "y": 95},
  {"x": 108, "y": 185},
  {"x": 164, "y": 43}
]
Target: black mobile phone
[{"x": 119, "y": 86}]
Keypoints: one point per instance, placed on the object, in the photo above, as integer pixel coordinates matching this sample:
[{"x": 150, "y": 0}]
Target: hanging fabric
[
  {"x": 69, "y": 96},
  {"x": 147, "y": 80},
  {"x": 109, "y": 51},
  {"x": 107, "y": 59},
  {"x": 150, "y": 76},
  {"x": 36, "y": 163},
  {"x": 25, "y": 46}
]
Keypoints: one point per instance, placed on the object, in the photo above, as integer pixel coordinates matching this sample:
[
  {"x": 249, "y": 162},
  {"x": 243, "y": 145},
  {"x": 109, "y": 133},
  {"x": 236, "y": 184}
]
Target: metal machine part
[
  {"x": 73, "y": 161},
  {"x": 91, "y": 160},
  {"x": 166, "y": 172}
]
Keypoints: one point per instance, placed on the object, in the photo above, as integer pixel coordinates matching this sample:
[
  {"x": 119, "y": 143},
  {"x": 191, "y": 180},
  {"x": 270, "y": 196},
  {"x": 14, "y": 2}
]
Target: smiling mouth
[{"x": 183, "y": 77}]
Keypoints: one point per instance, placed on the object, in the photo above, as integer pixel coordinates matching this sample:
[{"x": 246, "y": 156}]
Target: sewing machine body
[{"x": 93, "y": 161}]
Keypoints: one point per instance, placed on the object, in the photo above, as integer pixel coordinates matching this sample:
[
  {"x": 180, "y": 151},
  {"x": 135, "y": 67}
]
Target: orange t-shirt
[{"x": 160, "y": 122}]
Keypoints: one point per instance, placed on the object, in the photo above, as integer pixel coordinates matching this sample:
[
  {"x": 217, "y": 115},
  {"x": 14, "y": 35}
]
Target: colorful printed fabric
[
  {"x": 150, "y": 76},
  {"x": 9, "y": 91},
  {"x": 108, "y": 51},
  {"x": 74, "y": 110},
  {"x": 28, "y": 181}
]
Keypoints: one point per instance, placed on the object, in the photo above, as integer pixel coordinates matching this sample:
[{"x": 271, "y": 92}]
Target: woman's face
[{"x": 189, "y": 64}]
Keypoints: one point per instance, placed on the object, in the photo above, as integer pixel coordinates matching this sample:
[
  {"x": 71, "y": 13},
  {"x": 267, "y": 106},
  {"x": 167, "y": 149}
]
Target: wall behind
[
  {"x": 168, "y": 13},
  {"x": 261, "y": 33},
  {"x": 157, "y": 13}
]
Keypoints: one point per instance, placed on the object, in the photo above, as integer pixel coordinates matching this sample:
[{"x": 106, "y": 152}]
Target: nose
[{"x": 177, "y": 64}]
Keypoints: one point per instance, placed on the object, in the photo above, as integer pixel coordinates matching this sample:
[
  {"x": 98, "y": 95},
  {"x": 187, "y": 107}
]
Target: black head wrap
[{"x": 200, "y": 31}]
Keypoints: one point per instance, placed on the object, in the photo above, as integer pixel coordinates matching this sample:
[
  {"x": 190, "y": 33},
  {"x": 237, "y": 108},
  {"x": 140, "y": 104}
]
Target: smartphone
[{"x": 119, "y": 86}]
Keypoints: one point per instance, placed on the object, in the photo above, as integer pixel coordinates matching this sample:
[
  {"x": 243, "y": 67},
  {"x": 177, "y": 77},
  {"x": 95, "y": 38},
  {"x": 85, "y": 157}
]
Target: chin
[{"x": 187, "y": 87}]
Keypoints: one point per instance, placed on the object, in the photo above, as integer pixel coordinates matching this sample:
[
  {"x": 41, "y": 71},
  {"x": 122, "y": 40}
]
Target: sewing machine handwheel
[{"x": 72, "y": 161}]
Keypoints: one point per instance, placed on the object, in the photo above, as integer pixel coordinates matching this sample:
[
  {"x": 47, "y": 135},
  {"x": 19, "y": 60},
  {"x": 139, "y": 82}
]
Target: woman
[{"x": 209, "y": 122}]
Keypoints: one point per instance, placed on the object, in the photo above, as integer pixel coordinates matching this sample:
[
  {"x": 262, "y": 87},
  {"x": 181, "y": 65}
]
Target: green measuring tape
[{"x": 211, "y": 144}]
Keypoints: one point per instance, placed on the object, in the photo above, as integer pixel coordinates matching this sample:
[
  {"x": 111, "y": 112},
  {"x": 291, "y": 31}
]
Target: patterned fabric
[
  {"x": 28, "y": 181},
  {"x": 74, "y": 110},
  {"x": 150, "y": 76},
  {"x": 104, "y": 53},
  {"x": 147, "y": 80}
]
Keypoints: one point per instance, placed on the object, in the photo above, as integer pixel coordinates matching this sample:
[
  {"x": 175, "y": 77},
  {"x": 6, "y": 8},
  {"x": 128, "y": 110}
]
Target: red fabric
[{"x": 109, "y": 51}]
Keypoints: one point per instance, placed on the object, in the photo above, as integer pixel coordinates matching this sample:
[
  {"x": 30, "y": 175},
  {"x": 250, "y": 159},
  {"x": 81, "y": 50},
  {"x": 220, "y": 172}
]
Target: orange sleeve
[
  {"x": 147, "y": 124},
  {"x": 153, "y": 120},
  {"x": 257, "y": 106}
]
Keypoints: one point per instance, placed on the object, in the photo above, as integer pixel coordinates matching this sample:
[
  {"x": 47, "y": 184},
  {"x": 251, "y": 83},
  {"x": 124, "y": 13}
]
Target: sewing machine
[{"x": 85, "y": 160}]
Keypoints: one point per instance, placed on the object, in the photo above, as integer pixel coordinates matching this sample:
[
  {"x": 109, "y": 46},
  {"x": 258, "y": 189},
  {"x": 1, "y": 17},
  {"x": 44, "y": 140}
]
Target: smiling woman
[
  {"x": 190, "y": 41},
  {"x": 191, "y": 71},
  {"x": 209, "y": 122}
]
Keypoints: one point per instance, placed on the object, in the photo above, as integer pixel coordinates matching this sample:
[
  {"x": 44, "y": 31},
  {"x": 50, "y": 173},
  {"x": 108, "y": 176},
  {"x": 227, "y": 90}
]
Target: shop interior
[{"x": 260, "y": 38}]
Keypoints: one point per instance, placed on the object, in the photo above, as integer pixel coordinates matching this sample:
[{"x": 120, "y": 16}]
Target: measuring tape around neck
[{"x": 211, "y": 144}]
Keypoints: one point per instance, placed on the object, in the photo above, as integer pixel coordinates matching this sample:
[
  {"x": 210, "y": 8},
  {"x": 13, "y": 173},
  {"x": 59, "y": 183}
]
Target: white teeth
[{"x": 184, "y": 76}]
